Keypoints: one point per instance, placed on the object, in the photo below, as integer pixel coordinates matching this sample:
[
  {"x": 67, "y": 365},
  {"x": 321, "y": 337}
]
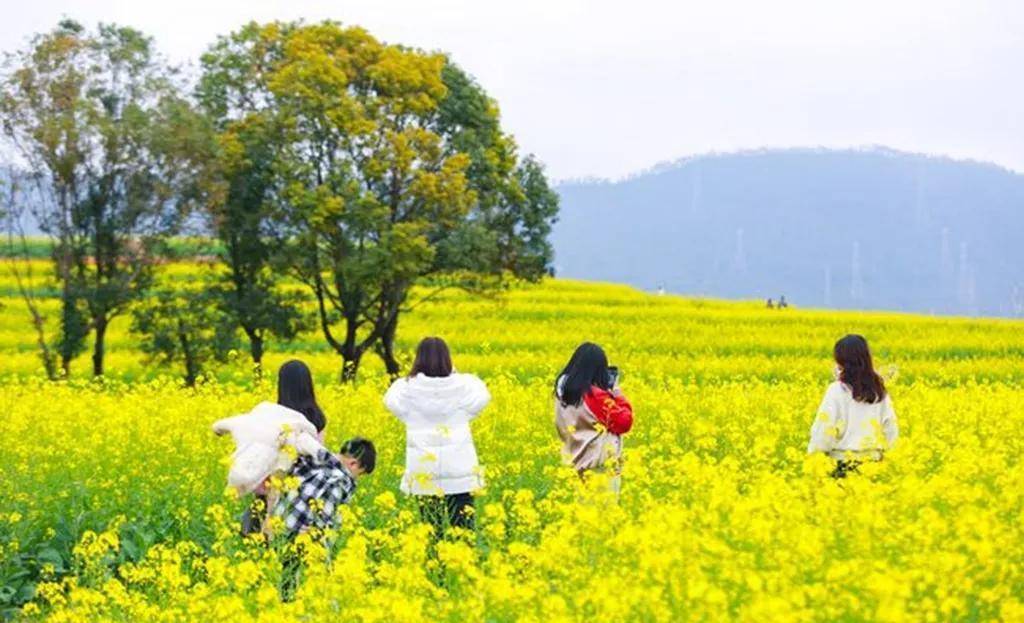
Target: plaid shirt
[{"x": 324, "y": 484}]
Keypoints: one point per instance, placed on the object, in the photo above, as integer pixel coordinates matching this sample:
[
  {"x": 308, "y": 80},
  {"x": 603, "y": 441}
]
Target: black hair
[
  {"x": 295, "y": 391},
  {"x": 432, "y": 358},
  {"x": 361, "y": 450},
  {"x": 587, "y": 367},
  {"x": 858, "y": 372}
]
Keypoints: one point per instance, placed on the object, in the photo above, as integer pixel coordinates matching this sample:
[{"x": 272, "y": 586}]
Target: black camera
[{"x": 613, "y": 376}]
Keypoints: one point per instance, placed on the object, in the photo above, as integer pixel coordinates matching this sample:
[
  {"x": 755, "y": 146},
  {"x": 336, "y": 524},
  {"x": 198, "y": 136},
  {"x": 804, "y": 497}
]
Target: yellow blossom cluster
[{"x": 113, "y": 502}]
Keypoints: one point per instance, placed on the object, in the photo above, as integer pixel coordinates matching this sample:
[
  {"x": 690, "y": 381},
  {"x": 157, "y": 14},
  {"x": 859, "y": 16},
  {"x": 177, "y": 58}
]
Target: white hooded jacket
[
  {"x": 440, "y": 457},
  {"x": 260, "y": 437}
]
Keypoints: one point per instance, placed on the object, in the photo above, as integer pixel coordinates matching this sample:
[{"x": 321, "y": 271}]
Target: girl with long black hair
[
  {"x": 591, "y": 413},
  {"x": 295, "y": 420},
  {"x": 295, "y": 391},
  {"x": 856, "y": 420}
]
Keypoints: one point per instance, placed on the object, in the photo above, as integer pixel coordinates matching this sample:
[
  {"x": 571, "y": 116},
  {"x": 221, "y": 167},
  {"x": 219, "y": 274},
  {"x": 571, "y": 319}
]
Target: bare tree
[{"x": 19, "y": 257}]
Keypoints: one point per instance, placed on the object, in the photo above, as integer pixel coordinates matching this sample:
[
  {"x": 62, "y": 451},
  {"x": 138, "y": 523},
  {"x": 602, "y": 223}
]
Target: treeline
[
  {"x": 177, "y": 248},
  {"x": 312, "y": 152}
]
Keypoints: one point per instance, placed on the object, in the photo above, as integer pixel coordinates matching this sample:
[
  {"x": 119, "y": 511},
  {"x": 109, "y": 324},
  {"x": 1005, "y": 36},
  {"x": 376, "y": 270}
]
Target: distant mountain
[{"x": 827, "y": 228}]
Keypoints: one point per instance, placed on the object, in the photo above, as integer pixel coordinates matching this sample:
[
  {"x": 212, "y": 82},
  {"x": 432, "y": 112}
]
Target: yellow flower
[{"x": 722, "y": 515}]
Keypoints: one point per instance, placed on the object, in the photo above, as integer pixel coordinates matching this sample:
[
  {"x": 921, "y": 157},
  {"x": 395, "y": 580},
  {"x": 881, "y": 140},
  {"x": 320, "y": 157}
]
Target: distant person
[
  {"x": 592, "y": 414},
  {"x": 856, "y": 421},
  {"x": 436, "y": 404},
  {"x": 782, "y": 302},
  {"x": 770, "y": 304}
]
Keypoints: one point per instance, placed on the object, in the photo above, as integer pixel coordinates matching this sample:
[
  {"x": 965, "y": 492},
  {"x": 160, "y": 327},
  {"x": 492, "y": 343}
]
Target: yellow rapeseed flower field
[{"x": 113, "y": 502}]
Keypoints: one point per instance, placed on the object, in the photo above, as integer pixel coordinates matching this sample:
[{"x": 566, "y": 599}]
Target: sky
[{"x": 606, "y": 88}]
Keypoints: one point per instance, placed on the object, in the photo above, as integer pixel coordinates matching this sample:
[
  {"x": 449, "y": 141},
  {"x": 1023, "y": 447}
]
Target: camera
[{"x": 613, "y": 376}]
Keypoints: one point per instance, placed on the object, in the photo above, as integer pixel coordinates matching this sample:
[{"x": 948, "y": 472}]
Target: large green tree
[
  {"x": 385, "y": 165},
  {"x": 242, "y": 211},
  {"x": 98, "y": 118},
  {"x": 505, "y": 232}
]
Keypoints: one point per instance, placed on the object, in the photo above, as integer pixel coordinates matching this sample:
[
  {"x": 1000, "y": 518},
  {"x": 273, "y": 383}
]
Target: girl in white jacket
[
  {"x": 436, "y": 404},
  {"x": 856, "y": 421}
]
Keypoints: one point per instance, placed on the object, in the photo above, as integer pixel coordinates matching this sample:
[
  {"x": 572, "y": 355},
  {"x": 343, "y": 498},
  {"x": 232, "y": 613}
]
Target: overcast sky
[{"x": 608, "y": 87}]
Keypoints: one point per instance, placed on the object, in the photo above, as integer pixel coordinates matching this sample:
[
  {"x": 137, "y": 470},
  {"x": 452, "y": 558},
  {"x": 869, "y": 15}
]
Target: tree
[
  {"x": 13, "y": 209},
  {"x": 241, "y": 215},
  {"x": 506, "y": 230},
  {"x": 389, "y": 166},
  {"x": 189, "y": 328},
  {"x": 41, "y": 114},
  {"x": 98, "y": 118}
]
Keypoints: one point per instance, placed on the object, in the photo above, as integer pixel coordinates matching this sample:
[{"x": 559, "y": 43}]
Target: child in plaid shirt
[{"x": 325, "y": 482}]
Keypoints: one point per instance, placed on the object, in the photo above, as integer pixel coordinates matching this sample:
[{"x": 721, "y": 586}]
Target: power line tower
[
  {"x": 739, "y": 260},
  {"x": 856, "y": 280}
]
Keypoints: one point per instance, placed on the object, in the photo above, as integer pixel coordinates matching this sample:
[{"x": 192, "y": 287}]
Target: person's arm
[
  {"x": 393, "y": 398},
  {"x": 824, "y": 433},
  {"x": 477, "y": 396},
  {"x": 307, "y": 444},
  {"x": 890, "y": 427}
]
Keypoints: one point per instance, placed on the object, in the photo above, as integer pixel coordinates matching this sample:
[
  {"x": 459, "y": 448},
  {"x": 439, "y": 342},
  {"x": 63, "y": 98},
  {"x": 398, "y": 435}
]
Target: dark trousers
[
  {"x": 442, "y": 512},
  {"x": 844, "y": 467}
]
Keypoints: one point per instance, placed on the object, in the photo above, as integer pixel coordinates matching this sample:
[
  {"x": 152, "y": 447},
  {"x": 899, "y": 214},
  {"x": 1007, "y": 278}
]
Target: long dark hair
[
  {"x": 588, "y": 366},
  {"x": 432, "y": 358},
  {"x": 295, "y": 391},
  {"x": 856, "y": 370}
]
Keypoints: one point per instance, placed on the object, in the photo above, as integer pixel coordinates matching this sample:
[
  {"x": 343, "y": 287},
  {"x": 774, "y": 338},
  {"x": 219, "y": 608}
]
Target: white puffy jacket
[
  {"x": 259, "y": 438},
  {"x": 440, "y": 457}
]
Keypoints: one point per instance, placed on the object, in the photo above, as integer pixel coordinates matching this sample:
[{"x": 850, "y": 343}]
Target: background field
[{"x": 113, "y": 492}]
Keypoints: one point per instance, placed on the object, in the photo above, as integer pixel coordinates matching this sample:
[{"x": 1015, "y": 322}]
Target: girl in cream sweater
[{"x": 856, "y": 420}]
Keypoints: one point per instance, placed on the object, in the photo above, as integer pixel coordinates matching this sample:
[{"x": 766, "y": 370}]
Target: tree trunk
[
  {"x": 191, "y": 366},
  {"x": 99, "y": 348},
  {"x": 350, "y": 366},
  {"x": 74, "y": 328},
  {"x": 256, "y": 351},
  {"x": 70, "y": 325},
  {"x": 45, "y": 353},
  {"x": 49, "y": 361},
  {"x": 386, "y": 348},
  {"x": 351, "y": 353}
]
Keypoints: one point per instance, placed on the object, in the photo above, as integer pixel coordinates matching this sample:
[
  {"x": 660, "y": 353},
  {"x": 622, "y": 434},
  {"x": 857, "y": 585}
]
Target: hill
[{"x": 845, "y": 229}]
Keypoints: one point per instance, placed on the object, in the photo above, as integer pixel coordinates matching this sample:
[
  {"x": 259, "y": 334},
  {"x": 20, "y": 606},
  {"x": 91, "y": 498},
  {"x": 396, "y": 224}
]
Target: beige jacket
[{"x": 591, "y": 432}]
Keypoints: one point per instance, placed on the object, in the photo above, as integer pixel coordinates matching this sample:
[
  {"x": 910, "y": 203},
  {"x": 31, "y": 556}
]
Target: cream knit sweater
[{"x": 846, "y": 428}]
